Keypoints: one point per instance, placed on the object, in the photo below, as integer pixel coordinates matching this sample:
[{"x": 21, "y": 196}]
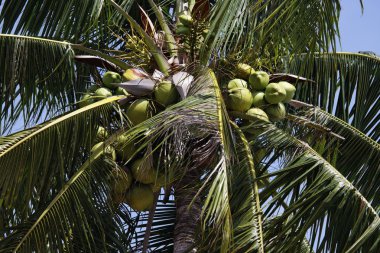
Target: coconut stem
[{"x": 188, "y": 213}]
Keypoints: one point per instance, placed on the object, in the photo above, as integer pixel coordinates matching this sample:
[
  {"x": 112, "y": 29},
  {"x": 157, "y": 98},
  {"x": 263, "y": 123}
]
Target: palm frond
[
  {"x": 271, "y": 28},
  {"x": 322, "y": 204},
  {"x": 38, "y": 79},
  {"x": 358, "y": 155},
  {"x": 74, "y": 20},
  {"x": 78, "y": 218},
  {"x": 36, "y": 163},
  {"x": 346, "y": 86}
]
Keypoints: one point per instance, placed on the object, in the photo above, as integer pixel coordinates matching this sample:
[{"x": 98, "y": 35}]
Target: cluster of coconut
[
  {"x": 185, "y": 22},
  {"x": 137, "y": 182},
  {"x": 253, "y": 94}
]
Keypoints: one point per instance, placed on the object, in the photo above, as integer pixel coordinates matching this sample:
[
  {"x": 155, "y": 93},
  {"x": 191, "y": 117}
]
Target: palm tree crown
[{"x": 186, "y": 126}]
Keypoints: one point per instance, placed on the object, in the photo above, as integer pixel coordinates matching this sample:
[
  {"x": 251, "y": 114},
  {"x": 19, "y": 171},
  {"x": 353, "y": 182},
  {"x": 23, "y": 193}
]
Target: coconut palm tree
[{"x": 230, "y": 181}]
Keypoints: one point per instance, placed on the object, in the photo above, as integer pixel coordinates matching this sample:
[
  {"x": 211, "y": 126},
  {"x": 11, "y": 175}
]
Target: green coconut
[
  {"x": 259, "y": 80},
  {"x": 239, "y": 99},
  {"x": 166, "y": 93},
  {"x": 102, "y": 93},
  {"x": 244, "y": 71},
  {"x": 237, "y": 83},
  {"x": 139, "y": 111},
  {"x": 290, "y": 91},
  {"x": 258, "y": 99},
  {"x": 143, "y": 174},
  {"x": 258, "y": 113},
  {"x": 121, "y": 91},
  {"x": 274, "y": 93},
  {"x": 108, "y": 151},
  {"x": 124, "y": 148},
  {"x": 93, "y": 88},
  {"x": 102, "y": 134},
  {"x": 122, "y": 181},
  {"x": 182, "y": 30},
  {"x": 140, "y": 197},
  {"x": 276, "y": 112},
  {"x": 109, "y": 78},
  {"x": 160, "y": 181},
  {"x": 132, "y": 74},
  {"x": 185, "y": 19},
  {"x": 85, "y": 100}
]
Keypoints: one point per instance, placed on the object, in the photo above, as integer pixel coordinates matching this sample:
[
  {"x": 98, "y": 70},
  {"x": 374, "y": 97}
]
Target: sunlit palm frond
[
  {"x": 321, "y": 203},
  {"x": 346, "y": 86},
  {"x": 36, "y": 163},
  {"x": 78, "y": 218}
]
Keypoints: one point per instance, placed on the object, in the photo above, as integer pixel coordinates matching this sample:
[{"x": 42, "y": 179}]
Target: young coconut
[
  {"x": 139, "y": 111},
  {"x": 258, "y": 99},
  {"x": 102, "y": 93},
  {"x": 182, "y": 30},
  {"x": 102, "y": 134},
  {"x": 258, "y": 113},
  {"x": 259, "y": 80},
  {"x": 244, "y": 71},
  {"x": 276, "y": 112},
  {"x": 124, "y": 148},
  {"x": 239, "y": 99},
  {"x": 140, "y": 197},
  {"x": 110, "y": 78},
  {"x": 133, "y": 74},
  {"x": 108, "y": 151},
  {"x": 142, "y": 172},
  {"x": 166, "y": 93},
  {"x": 274, "y": 93},
  {"x": 289, "y": 89},
  {"x": 122, "y": 180},
  {"x": 185, "y": 19},
  {"x": 85, "y": 100},
  {"x": 237, "y": 83},
  {"x": 121, "y": 91}
]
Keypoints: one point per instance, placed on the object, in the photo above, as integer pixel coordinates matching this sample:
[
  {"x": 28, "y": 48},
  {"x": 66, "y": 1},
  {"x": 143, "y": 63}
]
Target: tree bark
[{"x": 187, "y": 217}]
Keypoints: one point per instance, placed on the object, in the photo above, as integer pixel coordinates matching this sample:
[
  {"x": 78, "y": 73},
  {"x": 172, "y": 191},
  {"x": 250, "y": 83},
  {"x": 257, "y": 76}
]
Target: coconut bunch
[
  {"x": 253, "y": 94},
  {"x": 184, "y": 25},
  {"x": 136, "y": 179}
]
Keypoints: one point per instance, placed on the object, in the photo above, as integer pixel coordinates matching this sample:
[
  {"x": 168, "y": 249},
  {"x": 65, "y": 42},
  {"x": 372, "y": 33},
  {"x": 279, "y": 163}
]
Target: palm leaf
[
  {"x": 347, "y": 87},
  {"x": 36, "y": 163},
  {"x": 322, "y": 203},
  {"x": 78, "y": 217}
]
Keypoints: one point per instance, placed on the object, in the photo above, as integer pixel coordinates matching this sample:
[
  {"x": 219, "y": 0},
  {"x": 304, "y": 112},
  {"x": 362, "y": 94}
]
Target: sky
[{"x": 360, "y": 31}]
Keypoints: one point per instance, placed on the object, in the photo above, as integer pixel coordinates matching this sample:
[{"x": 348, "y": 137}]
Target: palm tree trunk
[{"x": 187, "y": 217}]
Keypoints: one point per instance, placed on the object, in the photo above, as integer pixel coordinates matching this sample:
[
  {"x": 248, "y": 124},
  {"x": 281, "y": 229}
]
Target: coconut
[
  {"x": 276, "y": 112},
  {"x": 166, "y": 93},
  {"x": 183, "y": 30},
  {"x": 290, "y": 90},
  {"x": 142, "y": 172},
  {"x": 109, "y": 78},
  {"x": 108, "y": 151},
  {"x": 274, "y": 93},
  {"x": 102, "y": 93},
  {"x": 140, "y": 197},
  {"x": 237, "y": 83},
  {"x": 160, "y": 181},
  {"x": 258, "y": 99},
  {"x": 85, "y": 100},
  {"x": 185, "y": 19},
  {"x": 133, "y": 74},
  {"x": 93, "y": 88},
  {"x": 239, "y": 99},
  {"x": 102, "y": 134},
  {"x": 258, "y": 113},
  {"x": 122, "y": 180},
  {"x": 124, "y": 148},
  {"x": 259, "y": 80},
  {"x": 139, "y": 111},
  {"x": 244, "y": 71},
  {"x": 121, "y": 91}
]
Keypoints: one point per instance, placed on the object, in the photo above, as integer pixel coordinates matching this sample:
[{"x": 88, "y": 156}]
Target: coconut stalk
[
  {"x": 159, "y": 57},
  {"x": 187, "y": 214}
]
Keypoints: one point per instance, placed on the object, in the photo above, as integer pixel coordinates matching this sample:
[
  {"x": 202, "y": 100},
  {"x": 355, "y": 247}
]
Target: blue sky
[{"x": 360, "y": 32}]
